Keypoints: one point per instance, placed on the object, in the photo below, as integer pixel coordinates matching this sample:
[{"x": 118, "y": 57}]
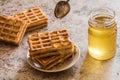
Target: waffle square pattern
[
  {"x": 48, "y": 41},
  {"x": 34, "y": 18},
  {"x": 11, "y": 30}
]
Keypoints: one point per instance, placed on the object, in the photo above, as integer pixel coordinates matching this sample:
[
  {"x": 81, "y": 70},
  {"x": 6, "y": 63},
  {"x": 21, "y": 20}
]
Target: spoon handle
[{"x": 68, "y": 0}]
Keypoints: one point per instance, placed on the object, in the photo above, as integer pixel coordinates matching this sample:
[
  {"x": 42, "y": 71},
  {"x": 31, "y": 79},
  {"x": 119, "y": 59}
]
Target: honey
[{"x": 102, "y": 33}]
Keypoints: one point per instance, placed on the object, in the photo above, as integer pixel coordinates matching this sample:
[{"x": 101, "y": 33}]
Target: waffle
[
  {"x": 56, "y": 62},
  {"x": 52, "y": 53},
  {"x": 50, "y": 59},
  {"x": 50, "y": 62},
  {"x": 34, "y": 18},
  {"x": 41, "y": 43},
  {"x": 11, "y": 30},
  {"x": 47, "y": 60}
]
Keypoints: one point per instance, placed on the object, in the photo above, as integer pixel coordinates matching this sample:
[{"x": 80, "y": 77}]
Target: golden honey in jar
[{"x": 102, "y": 33}]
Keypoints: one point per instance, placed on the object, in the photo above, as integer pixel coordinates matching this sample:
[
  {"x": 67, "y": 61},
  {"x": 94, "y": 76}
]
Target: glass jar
[{"x": 102, "y": 33}]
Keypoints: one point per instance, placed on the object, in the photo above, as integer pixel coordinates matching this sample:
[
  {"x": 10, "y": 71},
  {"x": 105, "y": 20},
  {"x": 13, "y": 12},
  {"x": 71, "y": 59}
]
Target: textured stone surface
[{"x": 13, "y": 65}]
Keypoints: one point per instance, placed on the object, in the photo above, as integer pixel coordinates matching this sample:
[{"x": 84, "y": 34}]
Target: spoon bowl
[{"x": 62, "y": 9}]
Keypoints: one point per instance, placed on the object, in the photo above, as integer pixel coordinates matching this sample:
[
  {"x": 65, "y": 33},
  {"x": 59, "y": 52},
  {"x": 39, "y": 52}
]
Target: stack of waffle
[
  {"x": 11, "y": 29},
  {"x": 34, "y": 18},
  {"x": 50, "y": 48}
]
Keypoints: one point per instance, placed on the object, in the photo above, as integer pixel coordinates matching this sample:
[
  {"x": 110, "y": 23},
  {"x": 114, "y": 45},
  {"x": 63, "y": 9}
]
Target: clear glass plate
[{"x": 61, "y": 67}]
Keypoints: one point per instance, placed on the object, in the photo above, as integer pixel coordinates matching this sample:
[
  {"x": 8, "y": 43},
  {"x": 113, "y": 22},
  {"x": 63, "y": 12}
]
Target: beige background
[{"x": 13, "y": 65}]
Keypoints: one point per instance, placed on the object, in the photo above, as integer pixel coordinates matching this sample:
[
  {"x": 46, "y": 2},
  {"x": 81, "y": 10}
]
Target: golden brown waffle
[
  {"x": 48, "y": 41},
  {"x": 52, "y": 53},
  {"x": 49, "y": 62},
  {"x": 11, "y": 29},
  {"x": 44, "y": 61},
  {"x": 56, "y": 62},
  {"x": 34, "y": 18}
]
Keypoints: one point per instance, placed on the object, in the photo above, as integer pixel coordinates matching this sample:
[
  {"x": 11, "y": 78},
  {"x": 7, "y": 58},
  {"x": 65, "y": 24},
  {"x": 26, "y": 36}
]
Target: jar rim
[{"x": 102, "y": 12}]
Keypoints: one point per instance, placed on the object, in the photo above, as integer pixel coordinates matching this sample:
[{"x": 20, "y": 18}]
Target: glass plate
[{"x": 61, "y": 67}]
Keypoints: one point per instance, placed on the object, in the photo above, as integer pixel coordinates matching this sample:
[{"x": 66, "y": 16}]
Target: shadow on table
[
  {"x": 6, "y": 49},
  {"x": 28, "y": 73},
  {"x": 93, "y": 69}
]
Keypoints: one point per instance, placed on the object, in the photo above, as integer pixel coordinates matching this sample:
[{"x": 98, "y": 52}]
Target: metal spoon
[{"x": 62, "y": 9}]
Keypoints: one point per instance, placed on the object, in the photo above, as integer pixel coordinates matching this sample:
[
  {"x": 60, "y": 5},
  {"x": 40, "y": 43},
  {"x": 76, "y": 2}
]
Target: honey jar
[{"x": 102, "y": 34}]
